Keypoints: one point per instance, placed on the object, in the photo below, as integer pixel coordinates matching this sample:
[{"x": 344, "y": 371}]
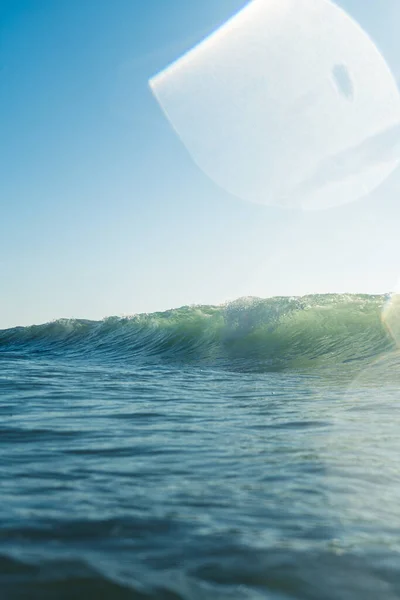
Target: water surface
[{"x": 140, "y": 463}]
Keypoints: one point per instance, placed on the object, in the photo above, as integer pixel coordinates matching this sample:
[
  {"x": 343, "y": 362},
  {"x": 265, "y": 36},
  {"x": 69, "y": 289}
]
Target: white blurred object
[{"x": 289, "y": 103}]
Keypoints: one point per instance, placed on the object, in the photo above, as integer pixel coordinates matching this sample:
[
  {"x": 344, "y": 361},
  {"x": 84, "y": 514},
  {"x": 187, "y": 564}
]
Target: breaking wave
[{"x": 275, "y": 333}]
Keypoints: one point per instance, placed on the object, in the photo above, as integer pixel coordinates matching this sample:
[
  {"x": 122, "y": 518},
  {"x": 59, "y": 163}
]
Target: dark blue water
[{"x": 172, "y": 479}]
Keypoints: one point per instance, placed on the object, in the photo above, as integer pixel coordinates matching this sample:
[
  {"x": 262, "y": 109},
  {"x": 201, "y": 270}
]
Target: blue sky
[{"x": 103, "y": 211}]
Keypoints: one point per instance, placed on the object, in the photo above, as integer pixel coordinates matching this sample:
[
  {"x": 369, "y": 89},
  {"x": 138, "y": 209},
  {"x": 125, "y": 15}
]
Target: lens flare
[
  {"x": 391, "y": 317},
  {"x": 289, "y": 103}
]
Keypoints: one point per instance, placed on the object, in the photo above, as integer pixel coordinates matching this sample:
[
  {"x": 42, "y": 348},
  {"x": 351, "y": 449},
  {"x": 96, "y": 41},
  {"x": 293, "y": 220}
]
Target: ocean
[{"x": 246, "y": 451}]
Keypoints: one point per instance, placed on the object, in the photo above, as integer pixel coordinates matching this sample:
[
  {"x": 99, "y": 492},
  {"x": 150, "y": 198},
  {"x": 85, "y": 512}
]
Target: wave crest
[{"x": 277, "y": 332}]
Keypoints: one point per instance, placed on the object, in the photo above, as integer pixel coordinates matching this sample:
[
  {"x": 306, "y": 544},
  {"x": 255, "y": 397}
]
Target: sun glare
[{"x": 289, "y": 103}]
